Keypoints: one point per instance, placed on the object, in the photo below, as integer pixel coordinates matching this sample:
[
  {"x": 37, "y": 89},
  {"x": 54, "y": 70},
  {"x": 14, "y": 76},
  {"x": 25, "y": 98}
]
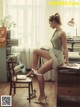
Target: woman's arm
[{"x": 64, "y": 43}]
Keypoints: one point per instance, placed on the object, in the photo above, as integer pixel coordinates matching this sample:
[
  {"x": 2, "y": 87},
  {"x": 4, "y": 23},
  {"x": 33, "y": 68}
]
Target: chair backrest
[{"x": 11, "y": 66}]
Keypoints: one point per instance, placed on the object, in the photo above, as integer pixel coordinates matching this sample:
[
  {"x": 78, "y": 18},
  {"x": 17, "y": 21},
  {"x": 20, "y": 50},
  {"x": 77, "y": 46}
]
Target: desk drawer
[
  {"x": 70, "y": 91},
  {"x": 68, "y": 80}
]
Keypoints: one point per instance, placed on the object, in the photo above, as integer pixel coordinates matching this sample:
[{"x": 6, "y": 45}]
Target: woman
[{"x": 54, "y": 56}]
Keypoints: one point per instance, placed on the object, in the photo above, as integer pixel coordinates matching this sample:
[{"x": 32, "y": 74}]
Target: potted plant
[{"x": 7, "y": 22}]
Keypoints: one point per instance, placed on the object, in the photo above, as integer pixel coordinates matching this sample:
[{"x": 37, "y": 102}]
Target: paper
[
  {"x": 73, "y": 66},
  {"x": 23, "y": 77}
]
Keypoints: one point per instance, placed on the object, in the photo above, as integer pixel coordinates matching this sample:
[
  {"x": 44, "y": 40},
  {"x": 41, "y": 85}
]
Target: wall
[{"x": 1, "y": 9}]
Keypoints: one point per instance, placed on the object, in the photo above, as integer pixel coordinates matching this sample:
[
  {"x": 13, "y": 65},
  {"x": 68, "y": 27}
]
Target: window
[{"x": 29, "y": 18}]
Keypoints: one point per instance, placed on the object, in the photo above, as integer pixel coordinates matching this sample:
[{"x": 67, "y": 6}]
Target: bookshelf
[{"x": 9, "y": 43}]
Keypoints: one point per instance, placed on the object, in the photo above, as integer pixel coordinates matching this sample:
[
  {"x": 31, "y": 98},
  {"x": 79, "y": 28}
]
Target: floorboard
[{"x": 20, "y": 98}]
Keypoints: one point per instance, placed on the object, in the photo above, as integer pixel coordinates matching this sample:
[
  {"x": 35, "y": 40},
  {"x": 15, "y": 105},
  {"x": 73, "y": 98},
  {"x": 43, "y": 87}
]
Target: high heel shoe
[
  {"x": 32, "y": 72},
  {"x": 35, "y": 72},
  {"x": 43, "y": 99}
]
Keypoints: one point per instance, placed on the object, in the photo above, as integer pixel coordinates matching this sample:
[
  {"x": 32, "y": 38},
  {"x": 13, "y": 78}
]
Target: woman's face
[{"x": 52, "y": 24}]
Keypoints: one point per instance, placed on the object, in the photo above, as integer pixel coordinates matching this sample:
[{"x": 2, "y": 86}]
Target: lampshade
[{"x": 71, "y": 22}]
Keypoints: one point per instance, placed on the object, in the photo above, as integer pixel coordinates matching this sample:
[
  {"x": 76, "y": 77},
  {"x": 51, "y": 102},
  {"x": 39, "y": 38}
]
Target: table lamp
[{"x": 72, "y": 23}]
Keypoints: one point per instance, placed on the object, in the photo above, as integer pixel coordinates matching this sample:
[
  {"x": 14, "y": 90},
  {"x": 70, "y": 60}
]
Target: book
[
  {"x": 21, "y": 77},
  {"x": 73, "y": 66}
]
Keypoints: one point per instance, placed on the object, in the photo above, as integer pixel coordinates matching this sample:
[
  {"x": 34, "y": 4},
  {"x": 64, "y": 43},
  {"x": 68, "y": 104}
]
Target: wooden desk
[{"x": 68, "y": 87}]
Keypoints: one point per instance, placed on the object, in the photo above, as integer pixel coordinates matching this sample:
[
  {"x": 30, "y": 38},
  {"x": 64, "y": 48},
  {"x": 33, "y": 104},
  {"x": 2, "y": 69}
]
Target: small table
[
  {"x": 68, "y": 87},
  {"x": 73, "y": 42}
]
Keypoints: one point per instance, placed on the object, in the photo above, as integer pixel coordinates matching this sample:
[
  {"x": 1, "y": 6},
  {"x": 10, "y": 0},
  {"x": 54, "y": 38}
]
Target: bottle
[
  {"x": 19, "y": 68},
  {"x": 23, "y": 69}
]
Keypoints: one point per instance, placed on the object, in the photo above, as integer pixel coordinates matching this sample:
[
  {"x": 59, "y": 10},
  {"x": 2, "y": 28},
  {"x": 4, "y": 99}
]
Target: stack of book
[
  {"x": 9, "y": 43},
  {"x": 12, "y": 42}
]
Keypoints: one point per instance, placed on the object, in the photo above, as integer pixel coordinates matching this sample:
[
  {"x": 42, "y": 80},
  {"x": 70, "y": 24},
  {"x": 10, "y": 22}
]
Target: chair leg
[
  {"x": 31, "y": 88},
  {"x": 29, "y": 92},
  {"x": 10, "y": 88},
  {"x": 14, "y": 88}
]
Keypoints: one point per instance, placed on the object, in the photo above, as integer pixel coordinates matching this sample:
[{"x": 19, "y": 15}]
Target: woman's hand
[{"x": 67, "y": 63}]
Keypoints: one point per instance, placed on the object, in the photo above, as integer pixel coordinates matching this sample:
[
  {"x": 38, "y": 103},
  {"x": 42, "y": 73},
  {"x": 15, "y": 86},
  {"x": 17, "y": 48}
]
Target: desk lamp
[{"x": 72, "y": 23}]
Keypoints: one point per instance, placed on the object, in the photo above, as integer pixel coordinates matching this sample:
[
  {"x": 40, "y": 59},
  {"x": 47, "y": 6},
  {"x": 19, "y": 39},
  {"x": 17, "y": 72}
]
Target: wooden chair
[{"x": 14, "y": 81}]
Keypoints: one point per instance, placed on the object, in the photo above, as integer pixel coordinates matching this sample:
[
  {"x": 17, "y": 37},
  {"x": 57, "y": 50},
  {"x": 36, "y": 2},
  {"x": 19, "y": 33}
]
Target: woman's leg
[
  {"x": 46, "y": 67},
  {"x": 39, "y": 53},
  {"x": 36, "y": 54}
]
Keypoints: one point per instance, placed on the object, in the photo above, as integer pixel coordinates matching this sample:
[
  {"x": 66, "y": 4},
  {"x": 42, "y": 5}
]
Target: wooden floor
[{"x": 20, "y": 98}]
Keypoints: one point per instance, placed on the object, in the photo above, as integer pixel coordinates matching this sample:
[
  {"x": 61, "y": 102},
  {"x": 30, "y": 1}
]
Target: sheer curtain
[{"x": 29, "y": 16}]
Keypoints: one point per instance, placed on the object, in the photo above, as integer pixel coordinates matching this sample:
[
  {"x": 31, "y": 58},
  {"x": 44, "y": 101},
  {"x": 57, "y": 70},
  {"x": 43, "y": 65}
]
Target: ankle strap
[{"x": 35, "y": 72}]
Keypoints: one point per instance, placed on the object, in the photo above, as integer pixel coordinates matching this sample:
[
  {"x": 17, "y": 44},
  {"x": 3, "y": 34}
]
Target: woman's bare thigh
[
  {"x": 42, "y": 53},
  {"x": 46, "y": 66}
]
